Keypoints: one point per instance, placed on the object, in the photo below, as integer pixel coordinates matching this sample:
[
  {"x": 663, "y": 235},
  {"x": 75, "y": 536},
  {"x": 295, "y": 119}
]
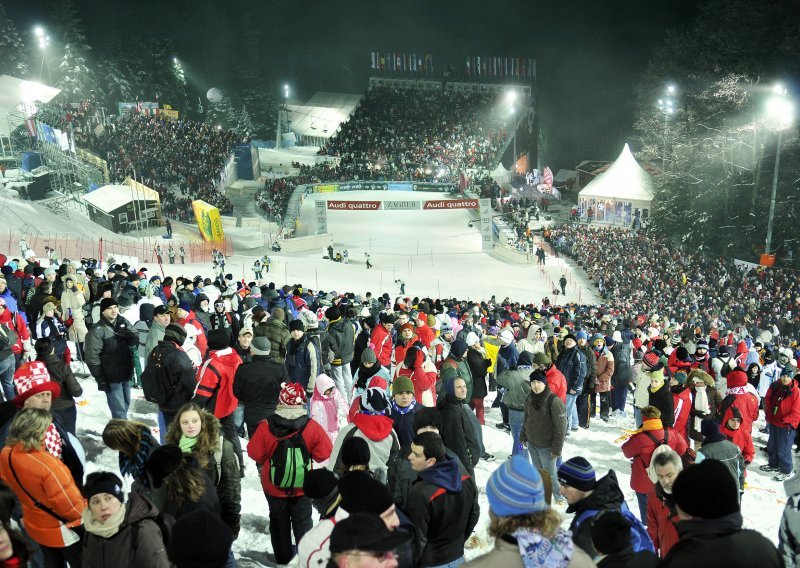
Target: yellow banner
[
  {"x": 208, "y": 221},
  {"x": 170, "y": 114},
  {"x": 330, "y": 188}
]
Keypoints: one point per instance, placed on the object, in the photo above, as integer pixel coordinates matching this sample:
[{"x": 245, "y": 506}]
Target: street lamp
[
  {"x": 666, "y": 106},
  {"x": 781, "y": 111}
]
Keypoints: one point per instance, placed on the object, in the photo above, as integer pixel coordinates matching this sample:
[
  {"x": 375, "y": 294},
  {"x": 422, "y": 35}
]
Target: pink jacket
[{"x": 328, "y": 410}]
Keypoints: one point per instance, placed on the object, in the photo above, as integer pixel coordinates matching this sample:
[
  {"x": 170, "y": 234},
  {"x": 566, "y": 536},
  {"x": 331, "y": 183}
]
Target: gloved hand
[
  {"x": 103, "y": 385},
  {"x": 28, "y": 355}
]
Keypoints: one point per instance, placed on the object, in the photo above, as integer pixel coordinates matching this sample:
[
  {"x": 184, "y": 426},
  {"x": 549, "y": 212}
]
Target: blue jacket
[{"x": 572, "y": 364}]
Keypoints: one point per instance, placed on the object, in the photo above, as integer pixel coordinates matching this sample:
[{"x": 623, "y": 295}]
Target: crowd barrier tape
[{"x": 382, "y": 186}]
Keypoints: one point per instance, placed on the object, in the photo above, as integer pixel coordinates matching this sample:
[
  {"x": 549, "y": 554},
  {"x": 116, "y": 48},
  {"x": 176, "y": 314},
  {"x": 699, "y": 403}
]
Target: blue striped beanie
[
  {"x": 577, "y": 473},
  {"x": 515, "y": 488}
]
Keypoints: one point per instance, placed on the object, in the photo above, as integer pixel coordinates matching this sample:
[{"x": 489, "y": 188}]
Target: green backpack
[{"x": 290, "y": 462}]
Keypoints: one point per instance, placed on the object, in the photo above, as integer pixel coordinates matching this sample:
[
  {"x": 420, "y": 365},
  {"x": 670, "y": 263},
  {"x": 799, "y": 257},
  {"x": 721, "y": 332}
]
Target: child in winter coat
[
  {"x": 735, "y": 433},
  {"x": 404, "y": 406},
  {"x": 328, "y": 407}
]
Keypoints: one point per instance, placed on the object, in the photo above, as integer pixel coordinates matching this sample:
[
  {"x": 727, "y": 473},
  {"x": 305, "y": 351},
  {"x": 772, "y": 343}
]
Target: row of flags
[
  {"x": 393, "y": 62},
  {"x": 505, "y": 68},
  {"x": 47, "y": 134}
]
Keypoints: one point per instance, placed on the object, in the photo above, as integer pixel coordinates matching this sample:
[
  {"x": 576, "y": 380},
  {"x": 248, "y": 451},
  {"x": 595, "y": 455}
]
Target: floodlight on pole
[
  {"x": 511, "y": 96},
  {"x": 38, "y": 31},
  {"x": 781, "y": 112}
]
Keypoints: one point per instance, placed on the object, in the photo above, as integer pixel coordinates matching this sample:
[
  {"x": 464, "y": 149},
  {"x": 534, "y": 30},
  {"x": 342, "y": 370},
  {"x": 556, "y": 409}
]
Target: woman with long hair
[
  {"x": 51, "y": 501},
  {"x": 198, "y": 433},
  {"x": 187, "y": 488},
  {"x": 526, "y": 530},
  {"x": 135, "y": 443},
  {"x": 120, "y": 534}
]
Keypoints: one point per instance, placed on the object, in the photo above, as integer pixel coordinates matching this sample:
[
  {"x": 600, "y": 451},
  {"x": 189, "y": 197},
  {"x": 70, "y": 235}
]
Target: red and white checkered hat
[
  {"x": 292, "y": 394},
  {"x": 32, "y": 378}
]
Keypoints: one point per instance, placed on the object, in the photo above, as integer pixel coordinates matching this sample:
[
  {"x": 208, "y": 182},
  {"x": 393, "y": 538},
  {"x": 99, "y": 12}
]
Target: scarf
[
  {"x": 701, "y": 405},
  {"x": 53, "y": 442},
  {"x": 136, "y": 467},
  {"x": 103, "y": 530},
  {"x": 540, "y": 552},
  {"x": 187, "y": 444},
  {"x": 648, "y": 425},
  {"x": 407, "y": 409}
]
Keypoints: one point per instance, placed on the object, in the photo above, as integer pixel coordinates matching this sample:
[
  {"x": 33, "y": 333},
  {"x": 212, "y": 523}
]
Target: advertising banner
[
  {"x": 451, "y": 204},
  {"x": 208, "y": 221},
  {"x": 402, "y": 205},
  {"x": 433, "y": 187},
  {"x": 486, "y": 224},
  {"x": 394, "y": 186},
  {"x": 327, "y": 188},
  {"x": 322, "y": 217},
  {"x": 363, "y": 185},
  {"x": 354, "y": 205}
]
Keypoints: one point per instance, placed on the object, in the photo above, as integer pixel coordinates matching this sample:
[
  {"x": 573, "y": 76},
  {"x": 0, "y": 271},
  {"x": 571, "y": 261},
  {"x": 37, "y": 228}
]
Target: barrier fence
[{"x": 101, "y": 248}]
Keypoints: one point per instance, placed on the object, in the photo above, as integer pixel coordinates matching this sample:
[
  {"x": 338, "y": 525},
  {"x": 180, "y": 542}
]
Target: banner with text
[
  {"x": 354, "y": 205},
  {"x": 451, "y": 204}
]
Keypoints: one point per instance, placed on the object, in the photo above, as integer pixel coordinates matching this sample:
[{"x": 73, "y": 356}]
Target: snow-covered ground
[{"x": 436, "y": 254}]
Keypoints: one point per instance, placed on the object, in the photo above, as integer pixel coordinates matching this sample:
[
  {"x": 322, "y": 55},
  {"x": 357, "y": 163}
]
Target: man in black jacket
[
  {"x": 257, "y": 384},
  {"x": 337, "y": 350},
  {"x": 710, "y": 527},
  {"x": 442, "y": 505},
  {"x": 169, "y": 377},
  {"x": 572, "y": 364},
  {"x": 587, "y": 402},
  {"x": 110, "y": 357}
]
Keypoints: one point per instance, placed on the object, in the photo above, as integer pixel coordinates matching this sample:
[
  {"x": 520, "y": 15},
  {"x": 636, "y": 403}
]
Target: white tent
[{"x": 619, "y": 195}]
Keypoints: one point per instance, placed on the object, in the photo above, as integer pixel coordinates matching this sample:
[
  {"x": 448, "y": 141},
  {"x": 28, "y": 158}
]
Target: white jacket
[{"x": 312, "y": 550}]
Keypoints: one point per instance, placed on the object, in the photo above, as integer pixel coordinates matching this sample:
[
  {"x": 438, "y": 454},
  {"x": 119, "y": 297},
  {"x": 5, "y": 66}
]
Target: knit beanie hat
[
  {"x": 696, "y": 483},
  {"x": 185, "y": 306},
  {"x": 355, "y": 451},
  {"x": 332, "y": 313},
  {"x": 175, "y": 332},
  {"x": 660, "y": 344},
  {"x": 525, "y": 359},
  {"x": 611, "y": 532},
  {"x": 516, "y": 488},
  {"x": 402, "y": 384},
  {"x": 297, "y": 325},
  {"x": 200, "y": 540},
  {"x": 472, "y": 338},
  {"x": 292, "y": 394},
  {"x": 427, "y": 417},
  {"x": 319, "y": 483},
  {"x": 163, "y": 461},
  {"x": 362, "y": 492},
  {"x": 261, "y": 346},
  {"x": 507, "y": 336},
  {"x": 373, "y": 401},
  {"x": 709, "y": 428},
  {"x": 541, "y": 359},
  {"x": 32, "y": 378},
  {"x": 676, "y": 340},
  {"x": 652, "y": 362},
  {"x": 582, "y": 334},
  {"x": 682, "y": 354},
  {"x": 578, "y": 473},
  {"x": 459, "y": 348},
  {"x": 538, "y": 376},
  {"x": 106, "y": 303},
  {"x": 103, "y": 482},
  {"x": 680, "y": 377},
  {"x": 368, "y": 356},
  {"x": 218, "y": 339},
  {"x": 736, "y": 378}
]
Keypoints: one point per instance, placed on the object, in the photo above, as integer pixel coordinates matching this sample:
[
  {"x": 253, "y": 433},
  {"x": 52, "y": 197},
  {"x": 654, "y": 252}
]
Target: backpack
[
  {"x": 639, "y": 537},
  {"x": 727, "y": 367},
  {"x": 687, "y": 458},
  {"x": 290, "y": 462},
  {"x": 156, "y": 384}
]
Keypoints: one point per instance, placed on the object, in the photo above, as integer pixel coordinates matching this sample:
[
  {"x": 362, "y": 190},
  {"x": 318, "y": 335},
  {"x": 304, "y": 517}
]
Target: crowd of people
[
  {"x": 370, "y": 411},
  {"x": 638, "y": 272},
  {"x": 181, "y": 159},
  {"x": 409, "y": 134}
]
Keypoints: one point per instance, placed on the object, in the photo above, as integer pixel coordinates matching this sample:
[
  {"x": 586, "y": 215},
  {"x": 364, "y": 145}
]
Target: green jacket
[
  {"x": 278, "y": 335},
  {"x": 518, "y": 386},
  {"x": 451, "y": 368}
]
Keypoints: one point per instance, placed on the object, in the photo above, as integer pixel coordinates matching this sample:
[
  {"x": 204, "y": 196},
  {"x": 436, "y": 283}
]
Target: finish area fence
[{"x": 99, "y": 248}]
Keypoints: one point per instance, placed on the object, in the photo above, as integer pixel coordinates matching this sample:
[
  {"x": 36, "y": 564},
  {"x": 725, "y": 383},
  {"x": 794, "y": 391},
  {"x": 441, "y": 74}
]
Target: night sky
[{"x": 590, "y": 54}]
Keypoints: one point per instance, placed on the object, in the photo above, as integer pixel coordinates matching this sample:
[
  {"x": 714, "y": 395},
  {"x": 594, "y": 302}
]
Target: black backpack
[
  {"x": 156, "y": 383},
  {"x": 290, "y": 462}
]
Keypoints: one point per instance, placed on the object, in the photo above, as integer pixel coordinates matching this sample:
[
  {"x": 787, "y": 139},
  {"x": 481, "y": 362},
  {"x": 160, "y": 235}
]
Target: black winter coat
[
  {"x": 61, "y": 373},
  {"x": 458, "y": 433},
  {"x": 179, "y": 372},
  {"x": 662, "y": 399},
  {"x": 607, "y": 496},
  {"x": 478, "y": 364},
  {"x": 591, "y": 368},
  {"x": 257, "y": 385},
  {"x": 572, "y": 364},
  {"x": 108, "y": 350},
  {"x": 720, "y": 542},
  {"x": 401, "y": 476}
]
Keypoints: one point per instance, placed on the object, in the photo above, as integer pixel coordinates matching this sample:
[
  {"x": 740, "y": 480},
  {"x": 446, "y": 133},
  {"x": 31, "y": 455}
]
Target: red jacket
[
  {"x": 556, "y": 382},
  {"x": 201, "y": 341},
  {"x": 17, "y": 325},
  {"x": 215, "y": 390},
  {"x": 401, "y": 348},
  {"x": 426, "y": 335},
  {"x": 741, "y": 438},
  {"x": 424, "y": 384},
  {"x": 641, "y": 447},
  {"x": 682, "y": 403},
  {"x": 381, "y": 338},
  {"x": 747, "y": 405},
  {"x": 661, "y": 521},
  {"x": 782, "y": 406},
  {"x": 265, "y": 441}
]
